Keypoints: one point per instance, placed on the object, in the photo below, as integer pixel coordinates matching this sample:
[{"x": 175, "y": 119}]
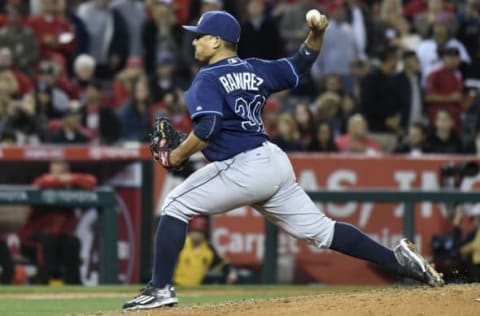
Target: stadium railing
[{"x": 102, "y": 198}]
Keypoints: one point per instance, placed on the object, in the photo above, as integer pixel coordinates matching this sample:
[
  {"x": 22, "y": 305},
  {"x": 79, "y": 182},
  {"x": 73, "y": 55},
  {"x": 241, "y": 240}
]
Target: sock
[
  {"x": 348, "y": 240},
  {"x": 169, "y": 241}
]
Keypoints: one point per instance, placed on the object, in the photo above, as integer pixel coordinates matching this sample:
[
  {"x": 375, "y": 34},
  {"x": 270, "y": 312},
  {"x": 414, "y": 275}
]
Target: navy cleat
[
  {"x": 152, "y": 297},
  {"x": 413, "y": 264}
]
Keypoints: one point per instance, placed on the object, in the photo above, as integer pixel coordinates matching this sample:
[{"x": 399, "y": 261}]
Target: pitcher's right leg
[{"x": 216, "y": 188}]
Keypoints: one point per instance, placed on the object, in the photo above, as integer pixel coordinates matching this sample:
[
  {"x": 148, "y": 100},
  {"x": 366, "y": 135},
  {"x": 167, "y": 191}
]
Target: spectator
[
  {"x": 442, "y": 38},
  {"x": 384, "y": 25},
  {"x": 378, "y": 100},
  {"x": 278, "y": 9},
  {"x": 415, "y": 142},
  {"x": 109, "y": 37},
  {"x": 55, "y": 34},
  {"x": 323, "y": 139},
  {"x": 333, "y": 83},
  {"x": 444, "y": 140},
  {"x": 29, "y": 126},
  {"x": 84, "y": 74},
  {"x": 305, "y": 122},
  {"x": 405, "y": 39},
  {"x": 162, "y": 36},
  {"x": 409, "y": 91},
  {"x": 125, "y": 80},
  {"x": 65, "y": 11},
  {"x": 34, "y": 7},
  {"x": 101, "y": 122},
  {"x": 424, "y": 21},
  {"x": 356, "y": 140},
  {"x": 346, "y": 110},
  {"x": 175, "y": 109},
  {"x": 473, "y": 146},
  {"x": 133, "y": 13},
  {"x": 339, "y": 46},
  {"x": 292, "y": 25},
  {"x": 23, "y": 82},
  {"x": 327, "y": 106},
  {"x": 360, "y": 19},
  {"x": 9, "y": 85},
  {"x": 70, "y": 131},
  {"x": 5, "y": 110},
  {"x": 133, "y": 114},
  {"x": 198, "y": 7},
  {"x": 390, "y": 10},
  {"x": 260, "y": 37},
  {"x": 198, "y": 257},
  {"x": 7, "y": 138},
  {"x": 271, "y": 113},
  {"x": 287, "y": 133},
  {"x": 47, "y": 235},
  {"x": 444, "y": 88},
  {"x": 58, "y": 100},
  {"x": 20, "y": 39},
  {"x": 164, "y": 80},
  {"x": 469, "y": 34},
  {"x": 44, "y": 101},
  {"x": 182, "y": 9},
  {"x": 6, "y": 263},
  {"x": 359, "y": 69}
]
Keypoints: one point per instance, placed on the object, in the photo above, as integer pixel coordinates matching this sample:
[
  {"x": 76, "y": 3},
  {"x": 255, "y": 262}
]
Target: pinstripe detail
[
  {"x": 297, "y": 78},
  {"x": 213, "y": 127},
  {"x": 174, "y": 199},
  {"x": 206, "y": 112},
  {"x": 220, "y": 66}
]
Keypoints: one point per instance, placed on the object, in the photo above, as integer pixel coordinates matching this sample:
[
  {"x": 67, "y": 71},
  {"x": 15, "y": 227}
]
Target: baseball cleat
[
  {"x": 415, "y": 266},
  {"x": 152, "y": 297}
]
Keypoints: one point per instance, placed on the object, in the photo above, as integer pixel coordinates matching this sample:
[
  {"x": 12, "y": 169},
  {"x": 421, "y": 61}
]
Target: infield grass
[{"x": 75, "y": 300}]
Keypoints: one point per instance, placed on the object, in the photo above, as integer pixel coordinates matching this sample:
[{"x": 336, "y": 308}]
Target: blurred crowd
[{"x": 393, "y": 76}]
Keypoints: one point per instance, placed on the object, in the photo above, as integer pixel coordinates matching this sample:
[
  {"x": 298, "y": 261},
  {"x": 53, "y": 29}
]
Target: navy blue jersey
[{"x": 237, "y": 90}]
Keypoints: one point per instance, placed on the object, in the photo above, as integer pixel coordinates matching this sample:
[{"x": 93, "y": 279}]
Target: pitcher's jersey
[{"x": 237, "y": 90}]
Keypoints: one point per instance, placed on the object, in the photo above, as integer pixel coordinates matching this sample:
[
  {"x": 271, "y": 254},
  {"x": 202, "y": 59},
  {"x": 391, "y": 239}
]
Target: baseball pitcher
[{"x": 225, "y": 101}]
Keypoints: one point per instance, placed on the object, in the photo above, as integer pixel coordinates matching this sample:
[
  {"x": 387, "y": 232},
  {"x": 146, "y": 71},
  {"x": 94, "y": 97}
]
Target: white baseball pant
[{"x": 262, "y": 178}]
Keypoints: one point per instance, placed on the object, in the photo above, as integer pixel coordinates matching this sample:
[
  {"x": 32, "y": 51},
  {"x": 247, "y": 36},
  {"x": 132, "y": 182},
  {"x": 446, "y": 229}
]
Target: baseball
[{"x": 313, "y": 15}]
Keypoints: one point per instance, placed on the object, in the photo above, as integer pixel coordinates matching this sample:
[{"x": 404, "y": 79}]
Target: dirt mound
[{"x": 450, "y": 300}]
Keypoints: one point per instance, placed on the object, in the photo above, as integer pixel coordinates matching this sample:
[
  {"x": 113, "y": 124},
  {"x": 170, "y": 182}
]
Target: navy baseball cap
[{"x": 217, "y": 23}]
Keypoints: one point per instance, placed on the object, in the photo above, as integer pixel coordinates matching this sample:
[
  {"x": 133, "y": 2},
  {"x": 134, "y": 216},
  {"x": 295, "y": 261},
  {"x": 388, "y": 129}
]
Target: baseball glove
[{"x": 163, "y": 139}]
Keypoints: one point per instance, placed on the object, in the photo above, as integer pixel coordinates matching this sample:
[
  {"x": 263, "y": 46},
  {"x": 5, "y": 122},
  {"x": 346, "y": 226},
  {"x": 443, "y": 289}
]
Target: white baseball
[{"x": 313, "y": 15}]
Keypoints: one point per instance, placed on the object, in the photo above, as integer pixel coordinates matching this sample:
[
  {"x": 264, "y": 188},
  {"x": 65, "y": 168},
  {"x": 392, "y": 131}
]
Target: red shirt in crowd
[
  {"x": 56, "y": 28},
  {"x": 444, "y": 81},
  {"x": 345, "y": 143}
]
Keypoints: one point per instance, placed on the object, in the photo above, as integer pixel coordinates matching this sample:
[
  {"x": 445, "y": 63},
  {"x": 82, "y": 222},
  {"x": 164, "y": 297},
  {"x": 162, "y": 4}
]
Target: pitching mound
[{"x": 450, "y": 300}]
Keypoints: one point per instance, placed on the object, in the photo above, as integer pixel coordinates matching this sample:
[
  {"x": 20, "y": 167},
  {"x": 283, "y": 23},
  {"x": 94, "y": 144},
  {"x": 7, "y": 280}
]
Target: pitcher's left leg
[{"x": 293, "y": 210}]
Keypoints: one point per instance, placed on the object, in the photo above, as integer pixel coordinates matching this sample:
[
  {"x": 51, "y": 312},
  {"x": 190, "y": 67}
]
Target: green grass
[
  {"x": 41, "y": 300},
  {"x": 44, "y": 307}
]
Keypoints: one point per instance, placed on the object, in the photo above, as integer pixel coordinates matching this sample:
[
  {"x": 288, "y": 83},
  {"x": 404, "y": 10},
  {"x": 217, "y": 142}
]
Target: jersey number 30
[{"x": 251, "y": 112}]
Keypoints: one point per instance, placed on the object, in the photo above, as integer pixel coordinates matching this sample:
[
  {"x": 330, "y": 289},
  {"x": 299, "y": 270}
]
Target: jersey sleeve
[
  {"x": 204, "y": 97},
  {"x": 280, "y": 74}
]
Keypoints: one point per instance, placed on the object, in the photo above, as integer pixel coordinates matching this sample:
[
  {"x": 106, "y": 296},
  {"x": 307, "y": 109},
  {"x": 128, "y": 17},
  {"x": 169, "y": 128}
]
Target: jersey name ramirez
[{"x": 240, "y": 81}]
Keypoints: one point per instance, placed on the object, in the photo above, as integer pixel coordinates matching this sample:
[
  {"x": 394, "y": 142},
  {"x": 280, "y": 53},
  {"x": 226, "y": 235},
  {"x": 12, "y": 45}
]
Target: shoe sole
[
  {"x": 170, "y": 302},
  {"x": 435, "y": 279}
]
